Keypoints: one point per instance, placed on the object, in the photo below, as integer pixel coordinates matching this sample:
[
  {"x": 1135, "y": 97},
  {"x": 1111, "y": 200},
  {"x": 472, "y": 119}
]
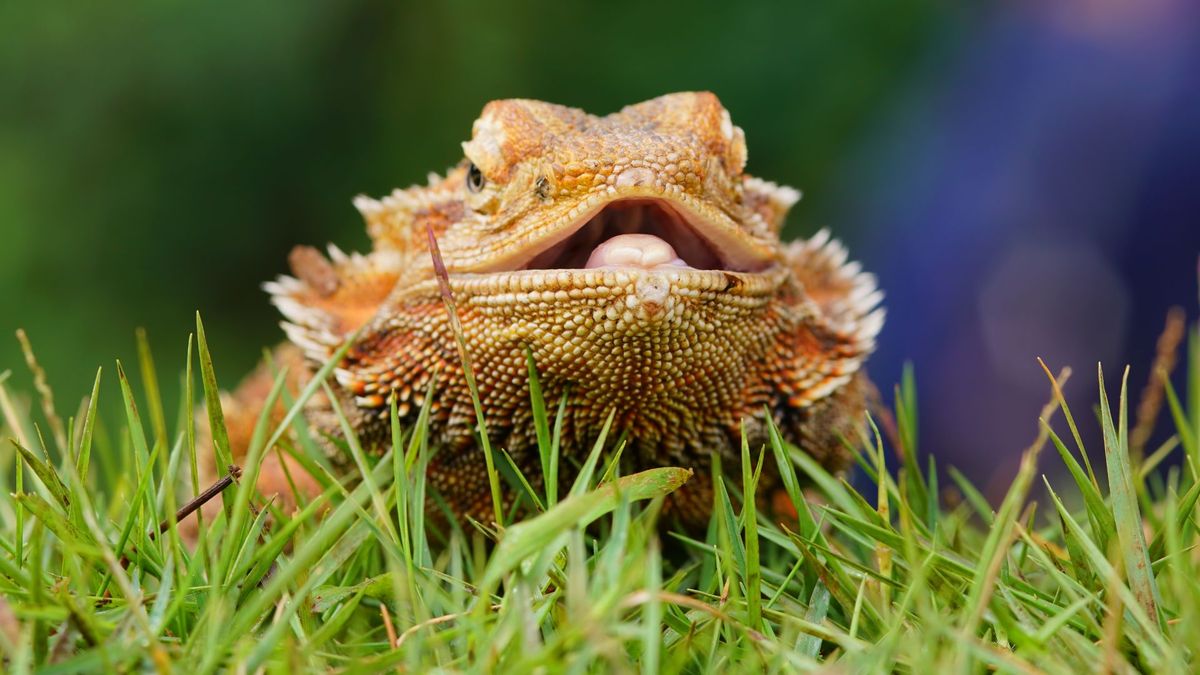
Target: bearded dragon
[{"x": 631, "y": 257}]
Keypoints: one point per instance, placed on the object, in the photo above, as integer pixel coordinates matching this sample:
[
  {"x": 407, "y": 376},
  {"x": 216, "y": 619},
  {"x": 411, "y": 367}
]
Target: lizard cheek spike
[{"x": 632, "y": 260}]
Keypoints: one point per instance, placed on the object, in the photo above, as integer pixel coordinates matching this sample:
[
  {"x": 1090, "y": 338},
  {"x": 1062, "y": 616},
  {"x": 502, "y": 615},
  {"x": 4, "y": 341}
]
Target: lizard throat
[{"x": 638, "y": 233}]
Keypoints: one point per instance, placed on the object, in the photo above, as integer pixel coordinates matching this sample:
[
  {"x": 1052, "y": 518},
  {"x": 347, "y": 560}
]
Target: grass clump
[{"x": 95, "y": 576}]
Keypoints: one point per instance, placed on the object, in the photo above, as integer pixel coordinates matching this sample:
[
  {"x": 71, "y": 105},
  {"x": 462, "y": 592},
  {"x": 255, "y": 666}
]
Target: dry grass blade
[
  {"x": 443, "y": 279},
  {"x": 1048, "y": 410},
  {"x": 1151, "y": 402},
  {"x": 44, "y": 392}
]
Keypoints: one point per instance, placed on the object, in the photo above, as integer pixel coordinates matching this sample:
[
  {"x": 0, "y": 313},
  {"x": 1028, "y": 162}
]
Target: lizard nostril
[{"x": 634, "y": 177}]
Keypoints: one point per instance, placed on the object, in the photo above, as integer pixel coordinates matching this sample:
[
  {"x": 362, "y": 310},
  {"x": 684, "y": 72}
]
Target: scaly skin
[{"x": 694, "y": 323}]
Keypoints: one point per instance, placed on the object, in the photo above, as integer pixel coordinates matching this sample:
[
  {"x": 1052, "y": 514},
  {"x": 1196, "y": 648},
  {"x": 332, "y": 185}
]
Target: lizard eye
[{"x": 474, "y": 178}]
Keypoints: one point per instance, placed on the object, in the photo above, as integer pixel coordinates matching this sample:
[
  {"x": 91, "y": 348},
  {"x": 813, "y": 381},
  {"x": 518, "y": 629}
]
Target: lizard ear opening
[{"x": 769, "y": 201}]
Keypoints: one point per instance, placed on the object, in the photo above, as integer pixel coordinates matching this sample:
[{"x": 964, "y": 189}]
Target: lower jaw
[{"x": 603, "y": 281}]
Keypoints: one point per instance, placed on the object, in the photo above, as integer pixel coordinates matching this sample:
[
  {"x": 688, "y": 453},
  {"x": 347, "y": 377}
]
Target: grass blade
[
  {"x": 212, "y": 403},
  {"x": 524, "y": 539},
  {"x": 1126, "y": 513}
]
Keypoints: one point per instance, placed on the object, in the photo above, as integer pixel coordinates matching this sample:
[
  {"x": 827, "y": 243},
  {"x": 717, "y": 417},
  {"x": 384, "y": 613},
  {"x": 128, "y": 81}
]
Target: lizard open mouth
[{"x": 639, "y": 233}]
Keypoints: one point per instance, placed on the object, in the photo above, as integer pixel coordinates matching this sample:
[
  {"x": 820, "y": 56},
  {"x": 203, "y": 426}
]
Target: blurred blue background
[{"x": 1023, "y": 177}]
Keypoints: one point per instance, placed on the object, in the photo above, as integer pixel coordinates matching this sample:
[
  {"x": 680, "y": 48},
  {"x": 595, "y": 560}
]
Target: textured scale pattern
[{"x": 681, "y": 353}]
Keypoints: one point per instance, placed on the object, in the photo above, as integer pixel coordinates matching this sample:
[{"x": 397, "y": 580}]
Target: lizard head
[
  {"x": 629, "y": 256},
  {"x": 656, "y": 186},
  {"x": 640, "y": 212},
  {"x": 648, "y": 203}
]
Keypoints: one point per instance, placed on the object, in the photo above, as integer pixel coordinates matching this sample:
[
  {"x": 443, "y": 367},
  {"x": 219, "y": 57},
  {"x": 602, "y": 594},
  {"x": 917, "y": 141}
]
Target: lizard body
[{"x": 636, "y": 262}]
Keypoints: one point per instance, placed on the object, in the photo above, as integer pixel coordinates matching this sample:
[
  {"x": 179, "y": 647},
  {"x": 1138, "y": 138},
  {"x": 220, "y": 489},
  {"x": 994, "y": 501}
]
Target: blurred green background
[
  {"x": 162, "y": 158},
  {"x": 1020, "y": 175}
]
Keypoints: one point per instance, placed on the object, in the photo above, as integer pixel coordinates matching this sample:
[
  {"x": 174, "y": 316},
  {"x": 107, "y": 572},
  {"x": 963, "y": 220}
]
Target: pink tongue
[{"x": 634, "y": 250}]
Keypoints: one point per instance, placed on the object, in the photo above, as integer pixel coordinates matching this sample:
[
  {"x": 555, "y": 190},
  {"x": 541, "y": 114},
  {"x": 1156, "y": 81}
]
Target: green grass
[{"x": 1102, "y": 575}]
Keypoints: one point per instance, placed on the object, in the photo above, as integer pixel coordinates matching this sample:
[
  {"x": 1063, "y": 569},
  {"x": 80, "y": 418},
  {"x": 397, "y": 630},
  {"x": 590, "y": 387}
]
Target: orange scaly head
[{"x": 542, "y": 184}]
